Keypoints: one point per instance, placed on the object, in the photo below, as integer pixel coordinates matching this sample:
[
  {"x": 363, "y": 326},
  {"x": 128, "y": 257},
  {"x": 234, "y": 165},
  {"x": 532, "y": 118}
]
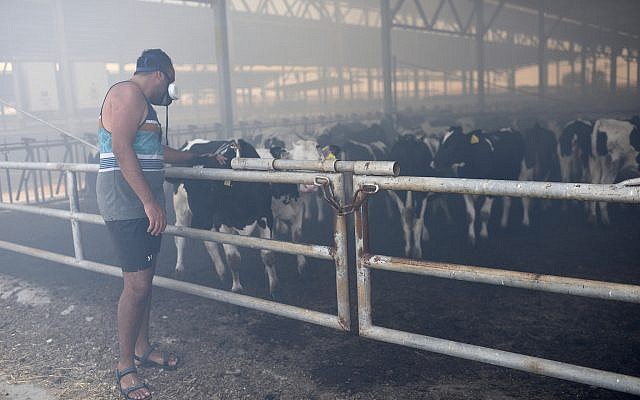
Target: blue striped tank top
[{"x": 116, "y": 199}]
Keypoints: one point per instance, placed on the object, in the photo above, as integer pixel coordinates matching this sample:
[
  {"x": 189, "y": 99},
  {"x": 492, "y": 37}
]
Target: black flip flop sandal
[
  {"x": 144, "y": 360},
  {"x": 127, "y": 391}
]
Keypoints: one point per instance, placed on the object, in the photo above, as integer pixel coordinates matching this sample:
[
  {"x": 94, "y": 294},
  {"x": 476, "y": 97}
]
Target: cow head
[
  {"x": 306, "y": 150},
  {"x": 330, "y": 152},
  {"x": 455, "y": 148}
]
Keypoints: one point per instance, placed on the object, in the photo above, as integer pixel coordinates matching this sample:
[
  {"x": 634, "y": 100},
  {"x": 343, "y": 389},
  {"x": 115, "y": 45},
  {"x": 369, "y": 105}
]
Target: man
[{"x": 131, "y": 200}]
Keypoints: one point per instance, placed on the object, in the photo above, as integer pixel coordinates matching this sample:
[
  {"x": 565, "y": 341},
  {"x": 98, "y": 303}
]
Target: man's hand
[
  {"x": 203, "y": 158},
  {"x": 157, "y": 218}
]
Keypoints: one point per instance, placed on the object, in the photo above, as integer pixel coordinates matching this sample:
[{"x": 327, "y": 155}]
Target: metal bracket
[{"x": 329, "y": 195}]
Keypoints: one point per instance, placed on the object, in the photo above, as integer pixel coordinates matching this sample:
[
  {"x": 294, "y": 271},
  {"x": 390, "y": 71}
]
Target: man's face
[{"x": 163, "y": 79}]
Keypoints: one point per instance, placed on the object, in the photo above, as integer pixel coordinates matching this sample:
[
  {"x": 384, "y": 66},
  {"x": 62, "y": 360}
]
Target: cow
[
  {"x": 480, "y": 155},
  {"x": 614, "y": 145},
  {"x": 574, "y": 150},
  {"x": 540, "y": 162},
  {"x": 414, "y": 158},
  {"x": 224, "y": 206},
  {"x": 289, "y": 201}
]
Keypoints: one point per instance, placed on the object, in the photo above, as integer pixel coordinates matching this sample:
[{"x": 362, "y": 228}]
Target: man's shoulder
[{"x": 126, "y": 91}]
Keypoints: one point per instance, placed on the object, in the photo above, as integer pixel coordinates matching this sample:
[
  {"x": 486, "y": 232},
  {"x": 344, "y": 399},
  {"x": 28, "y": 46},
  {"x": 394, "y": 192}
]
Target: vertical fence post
[
  {"x": 361, "y": 225},
  {"x": 9, "y": 188},
  {"x": 74, "y": 207},
  {"x": 340, "y": 238}
]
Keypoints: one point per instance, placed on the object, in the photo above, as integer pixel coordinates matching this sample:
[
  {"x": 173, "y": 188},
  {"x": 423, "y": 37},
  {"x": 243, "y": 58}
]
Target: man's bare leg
[
  {"x": 142, "y": 341},
  {"x": 132, "y": 308}
]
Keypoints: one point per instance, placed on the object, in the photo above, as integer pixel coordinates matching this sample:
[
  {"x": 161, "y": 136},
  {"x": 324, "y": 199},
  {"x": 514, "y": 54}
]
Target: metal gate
[
  {"x": 366, "y": 261},
  {"x": 336, "y": 253}
]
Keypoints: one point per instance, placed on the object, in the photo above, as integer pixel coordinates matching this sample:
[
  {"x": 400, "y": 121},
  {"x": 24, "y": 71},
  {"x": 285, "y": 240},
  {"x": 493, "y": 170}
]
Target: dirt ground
[{"x": 57, "y": 323}]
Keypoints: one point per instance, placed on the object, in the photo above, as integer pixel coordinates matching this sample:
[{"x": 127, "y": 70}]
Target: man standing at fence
[{"x": 131, "y": 200}]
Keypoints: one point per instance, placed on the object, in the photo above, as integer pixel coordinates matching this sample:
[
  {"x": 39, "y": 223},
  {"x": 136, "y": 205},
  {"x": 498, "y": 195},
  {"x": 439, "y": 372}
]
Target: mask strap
[{"x": 166, "y": 125}]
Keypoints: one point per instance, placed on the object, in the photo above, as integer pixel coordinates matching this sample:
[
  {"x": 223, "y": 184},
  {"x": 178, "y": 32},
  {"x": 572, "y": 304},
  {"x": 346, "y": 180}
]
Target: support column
[
  {"x": 339, "y": 45},
  {"x": 613, "y": 70},
  {"x": 628, "y": 59},
  {"x": 638, "y": 72},
  {"x": 369, "y": 84},
  {"x": 224, "y": 67},
  {"x": 594, "y": 70},
  {"x": 542, "y": 46},
  {"x": 64, "y": 75},
  {"x": 583, "y": 69},
  {"x": 463, "y": 75},
  {"x": 573, "y": 67},
  {"x": 385, "y": 15},
  {"x": 416, "y": 84},
  {"x": 479, "y": 10},
  {"x": 445, "y": 84}
]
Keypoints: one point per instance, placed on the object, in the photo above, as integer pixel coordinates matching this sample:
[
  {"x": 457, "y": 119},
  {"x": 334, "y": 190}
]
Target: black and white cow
[
  {"x": 414, "y": 157},
  {"x": 290, "y": 201},
  {"x": 574, "y": 150},
  {"x": 614, "y": 147},
  {"x": 224, "y": 206},
  {"x": 480, "y": 155},
  {"x": 540, "y": 162}
]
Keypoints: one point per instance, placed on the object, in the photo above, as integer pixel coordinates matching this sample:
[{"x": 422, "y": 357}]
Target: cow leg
[
  {"x": 268, "y": 259},
  {"x": 608, "y": 176},
  {"x": 232, "y": 254},
  {"x": 595, "y": 175},
  {"x": 418, "y": 227},
  {"x": 320, "y": 207},
  {"x": 214, "y": 252},
  {"x": 183, "y": 218},
  {"x": 485, "y": 214},
  {"x": 296, "y": 237},
  {"x": 526, "y": 174},
  {"x": 405, "y": 220},
  {"x": 470, "y": 207},
  {"x": 526, "y": 207},
  {"x": 306, "y": 200},
  {"x": 506, "y": 209}
]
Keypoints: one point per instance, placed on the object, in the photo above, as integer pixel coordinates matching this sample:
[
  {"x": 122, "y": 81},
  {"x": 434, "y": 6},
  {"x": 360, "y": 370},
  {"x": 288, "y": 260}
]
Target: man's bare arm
[{"x": 124, "y": 109}]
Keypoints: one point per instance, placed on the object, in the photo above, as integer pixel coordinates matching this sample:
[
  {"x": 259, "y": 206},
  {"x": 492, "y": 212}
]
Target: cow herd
[{"x": 600, "y": 151}]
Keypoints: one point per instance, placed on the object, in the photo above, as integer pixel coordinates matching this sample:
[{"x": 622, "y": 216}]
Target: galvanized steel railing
[
  {"x": 366, "y": 185},
  {"x": 366, "y": 261},
  {"x": 337, "y": 252}
]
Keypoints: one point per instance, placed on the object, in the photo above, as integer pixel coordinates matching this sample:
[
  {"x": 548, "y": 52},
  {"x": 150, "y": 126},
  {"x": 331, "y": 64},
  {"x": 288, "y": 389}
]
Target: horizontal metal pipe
[
  {"x": 540, "y": 366},
  {"x": 271, "y": 307},
  {"x": 544, "y": 190},
  {"x": 310, "y": 250},
  {"x": 53, "y": 166},
  {"x": 181, "y": 172},
  {"x": 525, "y": 280},
  {"x": 385, "y": 168},
  {"x": 241, "y": 176}
]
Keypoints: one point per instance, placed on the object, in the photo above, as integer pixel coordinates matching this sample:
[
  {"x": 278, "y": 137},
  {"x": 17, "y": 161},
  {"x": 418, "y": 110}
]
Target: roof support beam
[
  {"x": 480, "y": 31},
  {"x": 385, "y": 15},
  {"x": 613, "y": 70},
  {"x": 542, "y": 47},
  {"x": 224, "y": 66}
]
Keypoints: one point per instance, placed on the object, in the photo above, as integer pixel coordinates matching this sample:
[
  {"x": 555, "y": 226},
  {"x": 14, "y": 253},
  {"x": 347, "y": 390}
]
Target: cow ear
[{"x": 474, "y": 139}]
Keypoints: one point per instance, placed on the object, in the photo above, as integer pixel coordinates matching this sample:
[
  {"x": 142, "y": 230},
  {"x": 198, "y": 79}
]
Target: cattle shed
[
  {"x": 241, "y": 61},
  {"x": 372, "y": 199}
]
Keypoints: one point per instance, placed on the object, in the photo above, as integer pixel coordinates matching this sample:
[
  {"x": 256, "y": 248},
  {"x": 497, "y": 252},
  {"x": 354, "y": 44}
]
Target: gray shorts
[{"x": 135, "y": 248}]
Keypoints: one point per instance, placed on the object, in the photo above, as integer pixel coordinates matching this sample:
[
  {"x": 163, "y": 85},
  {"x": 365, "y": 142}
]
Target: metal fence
[
  {"x": 366, "y": 183},
  {"x": 365, "y": 262},
  {"x": 336, "y": 253},
  {"x": 38, "y": 186}
]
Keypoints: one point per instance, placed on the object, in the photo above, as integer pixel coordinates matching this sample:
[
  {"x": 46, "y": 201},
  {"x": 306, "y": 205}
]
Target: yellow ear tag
[
  {"x": 474, "y": 139},
  {"x": 331, "y": 156},
  {"x": 227, "y": 183}
]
